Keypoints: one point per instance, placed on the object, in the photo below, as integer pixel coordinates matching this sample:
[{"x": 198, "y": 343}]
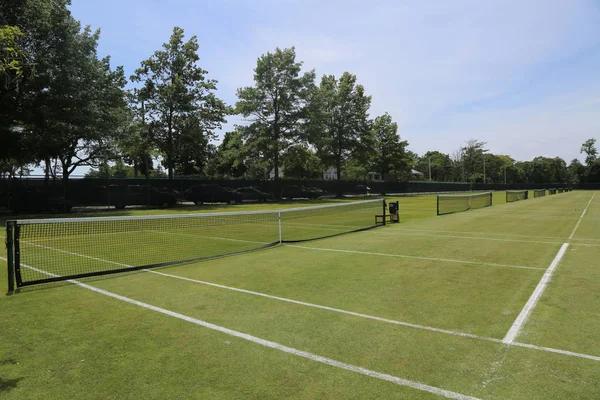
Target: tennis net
[
  {"x": 448, "y": 204},
  {"x": 561, "y": 190},
  {"x": 539, "y": 193},
  {"x": 552, "y": 191},
  {"x": 516, "y": 195},
  {"x": 50, "y": 250}
]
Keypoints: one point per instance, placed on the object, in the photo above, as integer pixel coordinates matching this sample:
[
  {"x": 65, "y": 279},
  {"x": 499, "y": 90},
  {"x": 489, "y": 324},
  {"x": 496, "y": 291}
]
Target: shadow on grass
[{"x": 7, "y": 385}]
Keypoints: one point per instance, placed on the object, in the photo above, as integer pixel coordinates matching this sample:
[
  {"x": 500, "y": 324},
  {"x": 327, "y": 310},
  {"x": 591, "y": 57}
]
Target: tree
[
  {"x": 472, "y": 159},
  {"x": 180, "y": 103},
  {"x": 299, "y": 161},
  {"x": 229, "y": 159},
  {"x": 591, "y": 155},
  {"x": 440, "y": 163},
  {"x": 340, "y": 123},
  {"x": 576, "y": 171},
  {"x": 389, "y": 154},
  {"x": 276, "y": 105}
]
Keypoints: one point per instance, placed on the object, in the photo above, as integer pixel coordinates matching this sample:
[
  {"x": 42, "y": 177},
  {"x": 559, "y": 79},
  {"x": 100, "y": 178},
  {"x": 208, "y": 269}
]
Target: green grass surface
[{"x": 455, "y": 272}]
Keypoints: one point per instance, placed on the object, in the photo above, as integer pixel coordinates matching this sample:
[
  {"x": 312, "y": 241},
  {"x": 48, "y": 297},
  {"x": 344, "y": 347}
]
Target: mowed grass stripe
[
  {"x": 580, "y": 218},
  {"x": 273, "y": 345},
  {"x": 394, "y": 270},
  {"x": 445, "y": 260}
]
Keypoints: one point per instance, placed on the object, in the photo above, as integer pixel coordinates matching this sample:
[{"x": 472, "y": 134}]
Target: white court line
[
  {"x": 273, "y": 345},
  {"x": 359, "y": 315},
  {"x": 489, "y": 233},
  {"x": 499, "y": 215},
  {"x": 580, "y": 218},
  {"x": 516, "y": 327},
  {"x": 333, "y": 309},
  {"x": 408, "y": 233},
  {"x": 412, "y": 257}
]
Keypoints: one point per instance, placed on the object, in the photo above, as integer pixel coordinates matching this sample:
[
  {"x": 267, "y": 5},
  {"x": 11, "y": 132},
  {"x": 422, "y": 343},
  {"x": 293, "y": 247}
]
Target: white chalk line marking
[
  {"x": 523, "y": 316},
  {"x": 381, "y": 232},
  {"x": 359, "y": 315},
  {"x": 273, "y": 345},
  {"x": 581, "y": 218},
  {"x": 412, "y": 257},
  {"x": 407, "y": 233},
  {"x": 333, "y": 309},
  {"x": 562, "y": 238}
]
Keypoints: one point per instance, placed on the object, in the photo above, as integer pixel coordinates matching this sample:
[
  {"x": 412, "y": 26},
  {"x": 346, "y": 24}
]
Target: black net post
[
  {"x": 384, "y": 210},
  {"x": 17, "y": 253},
  {"x": 438, "y": 205},
  {"x": 9, "y": 256},
  {"x": 491, "y": 198}
]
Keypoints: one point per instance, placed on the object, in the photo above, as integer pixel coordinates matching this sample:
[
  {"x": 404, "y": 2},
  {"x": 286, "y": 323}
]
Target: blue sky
[{"x": 523, "y": 76}]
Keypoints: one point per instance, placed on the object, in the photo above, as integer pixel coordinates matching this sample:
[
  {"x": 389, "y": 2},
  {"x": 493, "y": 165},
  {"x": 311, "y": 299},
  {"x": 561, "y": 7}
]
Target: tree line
[{"x": 63, "y": 107}]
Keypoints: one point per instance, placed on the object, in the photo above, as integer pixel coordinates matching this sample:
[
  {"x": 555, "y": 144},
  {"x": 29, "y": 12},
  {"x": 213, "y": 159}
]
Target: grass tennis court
[{"x": 428, "y": 308}]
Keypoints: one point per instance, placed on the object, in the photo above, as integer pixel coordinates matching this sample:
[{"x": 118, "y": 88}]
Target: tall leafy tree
[
  {"x": 576, "y": 171},
  {"x": 340, "y": 124},
  {"x": 473, "y": 158},
  {"x": 389, "y": 155},
  {"x": 276, "y": 106},
  {"x": 591, "y": 155},
  {"x": 439, "y": 163},
  {"x": 229, "y": 159},
  {"x": 181, "y": 104},
  {"x": 299, "y": 161}
]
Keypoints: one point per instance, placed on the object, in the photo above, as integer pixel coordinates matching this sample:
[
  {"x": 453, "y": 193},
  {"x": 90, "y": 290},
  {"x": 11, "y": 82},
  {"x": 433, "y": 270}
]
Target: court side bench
[{"x": 392, "y": 217}]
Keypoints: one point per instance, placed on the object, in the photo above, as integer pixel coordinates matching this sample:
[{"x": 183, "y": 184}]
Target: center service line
[
  {"x": 516, "y": 327},
  {"x": 580, "y": 218}
]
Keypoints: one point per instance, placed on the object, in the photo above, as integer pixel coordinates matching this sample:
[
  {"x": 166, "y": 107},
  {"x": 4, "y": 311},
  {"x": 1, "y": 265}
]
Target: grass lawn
[{"x": 421, "y": 306}]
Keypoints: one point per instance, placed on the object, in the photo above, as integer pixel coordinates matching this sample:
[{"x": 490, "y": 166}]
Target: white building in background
[
  {"x": 272, "y": 173},
  {"x": 330, "y": 174},
  {"x": 417, "y": 174}
]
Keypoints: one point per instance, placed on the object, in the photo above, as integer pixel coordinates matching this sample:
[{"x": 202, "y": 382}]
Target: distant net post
[{"x": 9, "y": 256}]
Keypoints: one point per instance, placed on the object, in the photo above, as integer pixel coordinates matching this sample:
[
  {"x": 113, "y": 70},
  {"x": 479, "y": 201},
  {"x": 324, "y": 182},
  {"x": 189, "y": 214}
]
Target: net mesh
[
  {"x": 448, "y": 204},
  {"x": 551, "y": 191},
  {"x": 539, "y": 192},
  {"x": 58, "y": 249},
  {"x": 516, "y": 195}
]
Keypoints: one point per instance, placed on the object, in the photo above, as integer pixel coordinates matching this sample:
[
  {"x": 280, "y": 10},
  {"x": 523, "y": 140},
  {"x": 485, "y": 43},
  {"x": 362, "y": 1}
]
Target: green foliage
[
  {"x": 440, "y": 163},
  {"x": 576, "y": 171},
  {"x": 389, "y": 152},
  {"x": 301, "y": 162},
  {"x": 340, "y": 127},
  {"x": 229, "y": 159},
  {"x": 545, "y": 170},
  {"x": 119, "y": 170},
  {"x": 472, "y": 158},
  {"x": 12, "y": 56},
  {"x": 277, "y": 105},
  {"x": 591, "y": 153},
  {"x": 179, "y": 104}
]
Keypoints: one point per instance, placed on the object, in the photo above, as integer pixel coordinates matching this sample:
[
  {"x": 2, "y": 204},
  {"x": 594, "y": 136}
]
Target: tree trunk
[
  {"x": 65, "y": 179},
  {"x": 170, "y": 145},
  {"x": 46, "y": 172}
]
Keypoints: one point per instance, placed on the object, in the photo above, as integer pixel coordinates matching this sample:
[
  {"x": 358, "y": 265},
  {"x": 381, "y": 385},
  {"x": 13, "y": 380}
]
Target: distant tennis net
[
  {"x": 452, "y": 203},
  {"x": 50, "y": 250},
  {"x": 516, "y": 195},
  {"x": 552, "y": 191},
  {"x": 539, "y": 193}
]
